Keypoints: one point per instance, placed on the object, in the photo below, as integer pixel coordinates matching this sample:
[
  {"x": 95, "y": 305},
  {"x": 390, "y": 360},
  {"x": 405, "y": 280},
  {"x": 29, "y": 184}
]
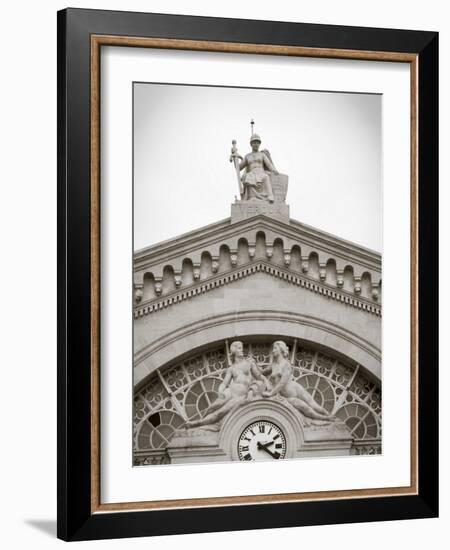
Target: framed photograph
[{"x": 248, "y": 295}]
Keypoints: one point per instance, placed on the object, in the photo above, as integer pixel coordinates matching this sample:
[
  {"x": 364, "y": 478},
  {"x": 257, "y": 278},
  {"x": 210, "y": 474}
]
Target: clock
[{"x": 262, "y": 440}]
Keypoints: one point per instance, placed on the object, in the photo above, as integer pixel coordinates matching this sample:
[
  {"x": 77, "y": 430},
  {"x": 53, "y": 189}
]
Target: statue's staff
[{"x": 234, "y": 157}]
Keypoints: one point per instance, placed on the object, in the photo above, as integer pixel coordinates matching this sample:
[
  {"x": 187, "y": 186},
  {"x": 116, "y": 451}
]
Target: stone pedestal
[{"x": 241, "y": 210}]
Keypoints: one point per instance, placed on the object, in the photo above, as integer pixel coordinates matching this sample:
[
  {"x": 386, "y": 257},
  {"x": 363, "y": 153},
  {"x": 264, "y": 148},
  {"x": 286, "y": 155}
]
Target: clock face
[{"x": 262, "y": 440}]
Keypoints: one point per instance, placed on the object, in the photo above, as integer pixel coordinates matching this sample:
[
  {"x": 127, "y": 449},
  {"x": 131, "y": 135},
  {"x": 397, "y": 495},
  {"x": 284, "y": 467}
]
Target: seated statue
[
  {"x": 243, "y": 381},
  {"x": 256, "y": 179},
  {"x": 282, "y": 382}
]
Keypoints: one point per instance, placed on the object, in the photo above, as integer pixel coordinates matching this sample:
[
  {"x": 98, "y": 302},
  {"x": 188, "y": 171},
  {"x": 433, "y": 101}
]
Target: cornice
[{"x": 261, "y": 266}]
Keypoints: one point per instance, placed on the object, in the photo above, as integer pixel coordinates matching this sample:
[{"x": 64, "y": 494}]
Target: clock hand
[{"x": 264, "y": 448}]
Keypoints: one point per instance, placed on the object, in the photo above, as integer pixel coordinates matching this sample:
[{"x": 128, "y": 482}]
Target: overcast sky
[{"x": 329, "y": 144}]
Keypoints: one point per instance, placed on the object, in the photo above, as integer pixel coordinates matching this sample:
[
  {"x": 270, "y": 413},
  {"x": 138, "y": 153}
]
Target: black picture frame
[{"x": 76, "y": 519}]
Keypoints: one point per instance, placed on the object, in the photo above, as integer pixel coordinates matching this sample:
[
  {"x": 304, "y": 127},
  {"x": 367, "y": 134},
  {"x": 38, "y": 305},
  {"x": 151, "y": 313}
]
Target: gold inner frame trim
[{"x": 97, "y": 41}]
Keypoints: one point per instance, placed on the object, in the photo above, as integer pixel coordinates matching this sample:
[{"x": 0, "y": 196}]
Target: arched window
[{"x": 184, "y": 390}]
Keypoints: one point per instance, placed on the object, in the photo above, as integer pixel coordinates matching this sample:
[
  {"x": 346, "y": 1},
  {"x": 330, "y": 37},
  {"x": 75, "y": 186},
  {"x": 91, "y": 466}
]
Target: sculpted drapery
[{"x": 258, "y": 166}]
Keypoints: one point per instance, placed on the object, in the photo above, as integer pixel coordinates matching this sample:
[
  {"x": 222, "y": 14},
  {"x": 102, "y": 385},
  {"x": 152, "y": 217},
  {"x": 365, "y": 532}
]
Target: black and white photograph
[
  {"x": 257, "y": 274},
  {"x": 221, "y": 229}
]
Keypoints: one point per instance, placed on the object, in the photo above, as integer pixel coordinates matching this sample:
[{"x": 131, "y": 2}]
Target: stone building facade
[{"x": 257, "y": 277}]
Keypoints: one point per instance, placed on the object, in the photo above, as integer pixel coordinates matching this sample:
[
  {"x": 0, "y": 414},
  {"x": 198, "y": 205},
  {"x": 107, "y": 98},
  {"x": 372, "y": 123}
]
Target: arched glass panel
[{"x": 184, "y": 390}]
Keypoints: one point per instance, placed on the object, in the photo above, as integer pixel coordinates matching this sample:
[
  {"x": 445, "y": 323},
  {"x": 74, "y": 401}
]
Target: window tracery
[{"x": 183, "y": 391}]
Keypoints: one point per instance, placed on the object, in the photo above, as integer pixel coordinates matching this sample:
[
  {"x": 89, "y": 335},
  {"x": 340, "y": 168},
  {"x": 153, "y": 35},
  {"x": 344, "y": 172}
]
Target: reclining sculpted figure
[
  {"x": 283, "y": 383},
  {"x": 243, "y": 380}
]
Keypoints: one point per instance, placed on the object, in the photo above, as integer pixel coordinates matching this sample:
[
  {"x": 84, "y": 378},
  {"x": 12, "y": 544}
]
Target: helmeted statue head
[{"x": 255, "y": 137}]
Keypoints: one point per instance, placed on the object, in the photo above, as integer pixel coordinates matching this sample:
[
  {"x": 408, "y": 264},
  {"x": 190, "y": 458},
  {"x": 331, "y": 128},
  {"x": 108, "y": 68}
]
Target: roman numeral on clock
[{"x": 261, "y": 428}]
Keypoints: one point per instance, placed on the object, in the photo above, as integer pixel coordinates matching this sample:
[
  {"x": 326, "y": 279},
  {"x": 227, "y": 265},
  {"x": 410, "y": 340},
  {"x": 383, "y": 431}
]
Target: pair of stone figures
[{"x": 245, "y": 381}]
